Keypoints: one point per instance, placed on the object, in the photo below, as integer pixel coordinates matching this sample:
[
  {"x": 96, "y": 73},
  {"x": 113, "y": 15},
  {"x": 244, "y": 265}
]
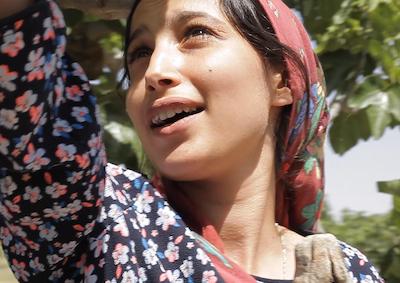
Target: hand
[{"x": 11, "y": 7}]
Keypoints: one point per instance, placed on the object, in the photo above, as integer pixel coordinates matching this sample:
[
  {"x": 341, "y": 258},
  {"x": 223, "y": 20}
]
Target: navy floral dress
[{"x": 65, "y": 214}]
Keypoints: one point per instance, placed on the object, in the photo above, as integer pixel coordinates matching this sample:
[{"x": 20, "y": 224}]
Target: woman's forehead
[{"x": 155, "y": 14}]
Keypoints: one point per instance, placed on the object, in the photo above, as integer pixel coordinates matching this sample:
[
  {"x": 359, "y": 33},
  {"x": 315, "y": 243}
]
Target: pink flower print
[
  {"x": 172, "y": 252},
  {"x": 120, "y": 254},
  {"x": 8, "y": 118},
  {"x": 66, "y": 152},
  {"x": 4, "y": 143},
  {"x": 34, "y": 159},
  {"x": 25, "y": 101},
  {"x": 7, "y": 77},
  {"x": 32, "y": 194},
  {"x": 61, "y": 128},
  {"x": 13, "y": 43},
  {"x": 35, "y": 112},
  {"x": 19, "y": 270},
  {"x": 7, "y": 186},
  {"x": 56, "y": 190},
  {"x": 209, "y": 277},
  {"x": 47, "y": 232},
  {"x": 74, "y": 93},
  {"x": 35, "y": 65},
  {"x": 167, "y": 218},
  {"x": 49, "y": 31}
]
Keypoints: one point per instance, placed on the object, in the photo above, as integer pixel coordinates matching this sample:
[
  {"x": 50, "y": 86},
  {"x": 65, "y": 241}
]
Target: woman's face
[{"x": 201, "y": 96}]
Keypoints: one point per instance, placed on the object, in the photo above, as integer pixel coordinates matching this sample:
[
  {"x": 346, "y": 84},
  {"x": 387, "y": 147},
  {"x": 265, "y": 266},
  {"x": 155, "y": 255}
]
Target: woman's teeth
[{"x": 166, "y": 114}]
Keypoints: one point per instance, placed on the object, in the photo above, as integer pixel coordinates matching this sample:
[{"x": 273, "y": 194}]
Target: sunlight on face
[{"x": 199, "y": 98}]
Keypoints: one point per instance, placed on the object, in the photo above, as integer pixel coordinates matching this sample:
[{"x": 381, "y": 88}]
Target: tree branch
[{"x": 106, "y": 9}]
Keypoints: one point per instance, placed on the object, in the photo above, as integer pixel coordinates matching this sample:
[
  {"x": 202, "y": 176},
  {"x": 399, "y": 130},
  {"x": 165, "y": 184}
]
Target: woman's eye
[
  {"x": 138, "y": 53},
  {"x": 198, "y": 32}
]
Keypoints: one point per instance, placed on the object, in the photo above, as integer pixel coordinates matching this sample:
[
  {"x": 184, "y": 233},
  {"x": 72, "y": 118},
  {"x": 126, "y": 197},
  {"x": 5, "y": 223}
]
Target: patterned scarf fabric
[{"x": 301, "y": 171}]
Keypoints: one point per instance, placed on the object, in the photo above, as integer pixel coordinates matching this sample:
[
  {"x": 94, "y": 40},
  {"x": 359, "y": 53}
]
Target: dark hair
[{"x": 250, "y": 20}]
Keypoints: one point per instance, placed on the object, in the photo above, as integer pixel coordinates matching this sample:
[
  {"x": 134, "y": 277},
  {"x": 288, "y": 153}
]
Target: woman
[{"x": 227, "y": 98}]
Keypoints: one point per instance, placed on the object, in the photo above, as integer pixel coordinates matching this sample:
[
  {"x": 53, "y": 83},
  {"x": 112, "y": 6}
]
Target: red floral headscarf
[{"x": 300, "y": 187}]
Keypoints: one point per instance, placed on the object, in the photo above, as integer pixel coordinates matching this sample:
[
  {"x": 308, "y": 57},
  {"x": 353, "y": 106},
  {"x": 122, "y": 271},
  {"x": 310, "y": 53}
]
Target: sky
[{"x": 351, "y": 178}]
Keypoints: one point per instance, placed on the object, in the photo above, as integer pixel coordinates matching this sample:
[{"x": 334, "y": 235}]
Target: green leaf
[
  {"x": 369, "y": 92},
  {"x": 394, "y": 101},
  {"x": 390, "y": 187},
  {"x": 379, "y": 119},
  {"x": 347, "y": 129}
]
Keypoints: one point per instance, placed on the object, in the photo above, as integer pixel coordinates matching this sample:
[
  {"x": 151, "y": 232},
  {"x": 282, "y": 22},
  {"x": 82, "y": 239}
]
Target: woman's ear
[{"x": 282, "y": 95}]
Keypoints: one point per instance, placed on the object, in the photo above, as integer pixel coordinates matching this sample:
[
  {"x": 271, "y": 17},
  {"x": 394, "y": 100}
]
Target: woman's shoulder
[{"x": 359, "y": 267}]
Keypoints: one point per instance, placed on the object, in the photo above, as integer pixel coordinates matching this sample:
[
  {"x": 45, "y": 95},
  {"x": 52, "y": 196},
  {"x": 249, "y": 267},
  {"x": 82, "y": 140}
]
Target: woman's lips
[{"x": 170, "y": 110}]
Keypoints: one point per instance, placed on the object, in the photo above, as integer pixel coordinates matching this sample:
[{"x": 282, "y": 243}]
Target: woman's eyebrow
[
  {"x": 184, "y": 16},
  {"x": 136, "y": 33}
]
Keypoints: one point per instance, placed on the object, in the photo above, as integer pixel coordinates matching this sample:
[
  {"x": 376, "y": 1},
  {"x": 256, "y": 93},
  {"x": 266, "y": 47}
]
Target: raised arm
[{"x": 51, "y": 154}]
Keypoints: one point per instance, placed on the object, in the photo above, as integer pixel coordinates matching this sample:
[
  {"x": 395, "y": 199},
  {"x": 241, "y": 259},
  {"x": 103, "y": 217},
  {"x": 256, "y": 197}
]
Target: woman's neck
[{"x": 241, "y": 208}]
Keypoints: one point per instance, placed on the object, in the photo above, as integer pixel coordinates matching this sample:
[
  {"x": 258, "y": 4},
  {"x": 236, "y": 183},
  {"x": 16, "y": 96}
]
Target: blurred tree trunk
[{"x": 106, "y": 9}]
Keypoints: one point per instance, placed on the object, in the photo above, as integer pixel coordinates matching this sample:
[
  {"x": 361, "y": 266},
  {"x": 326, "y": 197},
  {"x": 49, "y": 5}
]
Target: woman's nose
[{"x": 162, "y": 71}]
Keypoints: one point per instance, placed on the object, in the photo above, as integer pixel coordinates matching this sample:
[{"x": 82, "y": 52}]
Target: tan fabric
[{"x": 319, "y": 258}]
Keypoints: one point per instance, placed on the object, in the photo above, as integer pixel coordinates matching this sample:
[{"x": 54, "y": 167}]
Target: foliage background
[{"x": 358, "y": 42}]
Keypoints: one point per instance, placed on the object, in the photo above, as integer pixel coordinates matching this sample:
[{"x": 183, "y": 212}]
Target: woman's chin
[{"x": 182, "y": 170}]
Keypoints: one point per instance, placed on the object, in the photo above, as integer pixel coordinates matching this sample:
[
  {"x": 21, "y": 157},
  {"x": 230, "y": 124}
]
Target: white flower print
[
  {"x": 4, "y": 143},
  {"x": 8, "y": 118},
  {"x": 202, "y": 256},
  {"x": 80, "y": 113},
  {"x": 66, "y": 152},
  {"x": 90, "y": 276},
  {"x": 120, "y": 254},
  {"x": 56, "y": 190},
  {"x": 61, "y": 127},
  {"x": 172, "y": 252},
  {"x": 167, "y": 217},
  {"x": 150, "y": 254},
  {"x": 209, "y": 277},
  {"x": 143, "y": 220},
  {"x": 32, "y": 194},
  {"x": 143, "y": 202},
  {"x": 129, "y": 277},
  {"x": 35, "y": 264},
  {"x": 7, "y": 186},
  {"x": 68, "y": 248},
  {"x": 187, "y": 268},
  {"x": 47, "y": 232},
  {"x": 35, "y": 65},
  {"x": 121, "y": 227}
]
